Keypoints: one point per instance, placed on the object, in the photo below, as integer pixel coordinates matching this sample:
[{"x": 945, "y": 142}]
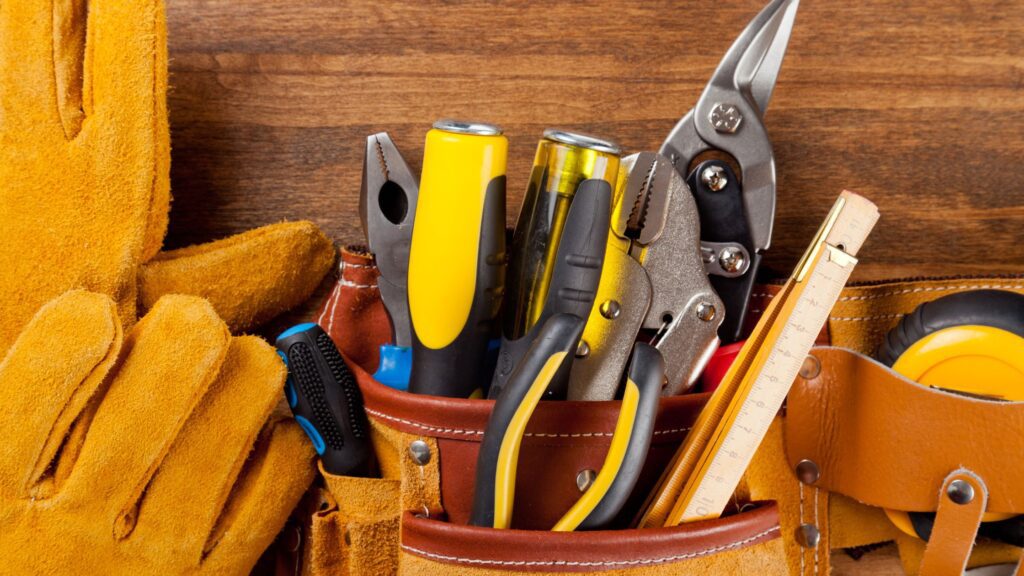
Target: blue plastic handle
[{"x": 395, "y": 366}]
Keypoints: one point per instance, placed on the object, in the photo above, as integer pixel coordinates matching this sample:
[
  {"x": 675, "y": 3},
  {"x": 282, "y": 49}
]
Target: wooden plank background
[{"x": 917, "y": 105}]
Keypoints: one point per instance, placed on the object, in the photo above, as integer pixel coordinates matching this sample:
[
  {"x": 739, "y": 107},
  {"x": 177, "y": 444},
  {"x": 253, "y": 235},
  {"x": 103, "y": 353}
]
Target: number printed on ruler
[{"x": 772, "y": 384}]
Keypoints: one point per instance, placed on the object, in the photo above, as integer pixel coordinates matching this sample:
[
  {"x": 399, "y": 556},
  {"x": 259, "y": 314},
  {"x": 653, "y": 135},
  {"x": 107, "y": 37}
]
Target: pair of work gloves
[{"x": 129, "y": 446}]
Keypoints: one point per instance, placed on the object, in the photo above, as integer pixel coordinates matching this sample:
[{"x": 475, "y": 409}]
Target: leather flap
[
  {"x": 886, "y": 441},
  {"x": 536, "y": 550}
]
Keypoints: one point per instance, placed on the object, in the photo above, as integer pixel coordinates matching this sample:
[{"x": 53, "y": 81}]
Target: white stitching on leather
[
  {"x": 934, "y": 289},
  {"x": 897, "y": 293},
  {"x": 424, "y": 426},
  {"x": 329, "y": 309},
  {"x": 803, "y": 551},
  {"x": 351, "y": 284},
  {"x": 556, "y": 563},
  {"x": 863, "y": 318},
  {"x": 817, "y": 548},
  {"x": 435, "y": 429},
  {"x": 342, "y": 281}
]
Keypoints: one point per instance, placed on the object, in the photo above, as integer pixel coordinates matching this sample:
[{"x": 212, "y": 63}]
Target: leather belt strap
[{"x": 961, "y": 505}]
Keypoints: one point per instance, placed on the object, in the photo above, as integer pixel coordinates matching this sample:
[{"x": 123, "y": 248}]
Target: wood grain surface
[{"x": 917, "y": 105}]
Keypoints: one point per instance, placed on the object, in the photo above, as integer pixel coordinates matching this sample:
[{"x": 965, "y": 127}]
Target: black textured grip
[
  {"x": 325, "y": 399},
  {"x": 464, "y": 366},
  {"x": 343, "y": 376},
  {"x": 994, "y": 308},
  {"x": 574, "y": 280},
  {"x": 560, "y": 333},
  {"x": 311, "y": 386},
  {"x": 647, "y": 370}
]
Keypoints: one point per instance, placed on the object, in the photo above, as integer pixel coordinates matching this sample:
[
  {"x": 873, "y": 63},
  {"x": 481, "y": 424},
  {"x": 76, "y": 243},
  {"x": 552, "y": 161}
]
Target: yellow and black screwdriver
[
  {"x": 559, "y": 242},
  {"x": 457, "y": 258}
]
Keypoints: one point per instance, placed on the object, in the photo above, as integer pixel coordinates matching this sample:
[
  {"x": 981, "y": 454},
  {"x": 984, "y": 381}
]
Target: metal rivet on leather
[
  {"x": 808, "y": 535},
  {"x": 419, "y": 451},
  {"x": 585, "y": 478},
  {"x": 807, "y": 471},
  {"x": 811, "y": 367},
  {"x": 960, "y": 491}
]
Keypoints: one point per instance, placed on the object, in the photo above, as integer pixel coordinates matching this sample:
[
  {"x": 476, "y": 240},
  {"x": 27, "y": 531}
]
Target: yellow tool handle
[
  {"x": 457, "y": 258},
  {"x": 562, "y": 162}
]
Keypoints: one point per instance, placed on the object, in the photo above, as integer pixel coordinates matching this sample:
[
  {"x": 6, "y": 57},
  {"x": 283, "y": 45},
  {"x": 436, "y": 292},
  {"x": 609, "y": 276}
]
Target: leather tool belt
[{"x": 862, "y": 437}]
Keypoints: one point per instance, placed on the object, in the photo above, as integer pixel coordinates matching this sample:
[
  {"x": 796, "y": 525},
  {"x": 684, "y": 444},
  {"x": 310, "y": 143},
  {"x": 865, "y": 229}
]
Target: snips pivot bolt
[
  {"x": 807, "y": 471},
  {"x": 731, "y": 259},
  {"x": 706, "y": 311},
  {"x": 714, "y": 178},
  {"x": 726, "y": 118},
  {"x": 419, "y": 451},
  {"x": 960, "y": 491}
]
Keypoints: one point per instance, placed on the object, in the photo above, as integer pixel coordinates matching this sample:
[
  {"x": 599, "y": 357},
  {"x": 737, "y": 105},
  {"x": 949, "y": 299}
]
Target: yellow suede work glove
[
  {"x": 142, "y": 453},
  {"x": 85, "y": 175}
]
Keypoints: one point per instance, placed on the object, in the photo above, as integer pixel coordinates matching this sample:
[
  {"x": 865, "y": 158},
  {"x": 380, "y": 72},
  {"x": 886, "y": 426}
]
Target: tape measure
[{"x": 969, "y": 343}]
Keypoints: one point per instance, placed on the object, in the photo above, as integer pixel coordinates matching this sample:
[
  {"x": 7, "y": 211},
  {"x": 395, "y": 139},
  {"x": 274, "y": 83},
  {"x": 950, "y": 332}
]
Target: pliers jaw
[
  {"x": 684, "y": 311},
  {"x": 387, "y": 208}
]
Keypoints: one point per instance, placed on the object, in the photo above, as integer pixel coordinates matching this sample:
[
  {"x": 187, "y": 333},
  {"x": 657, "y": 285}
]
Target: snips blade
[
  {"x": 387, "y": 208},
  {"x": 729, "y": 114}
]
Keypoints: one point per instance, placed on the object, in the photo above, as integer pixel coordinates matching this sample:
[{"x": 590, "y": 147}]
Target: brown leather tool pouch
[
  {"x": 858, "y": 429},
  {"x": 427, "y": 448},
  {"x": 413, "y": 519},
  {"x": 874, "y": 440}
]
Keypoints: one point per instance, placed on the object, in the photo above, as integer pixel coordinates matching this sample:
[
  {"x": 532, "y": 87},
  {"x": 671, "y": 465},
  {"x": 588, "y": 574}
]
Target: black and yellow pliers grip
[
  {"x": 631, "y": 440},
  {"x": 499, "y": 451}
]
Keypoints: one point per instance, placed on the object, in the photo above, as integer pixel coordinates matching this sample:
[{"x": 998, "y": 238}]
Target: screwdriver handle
[
  {"x": 457, "y": 259},
  {"x": 325, "y": 399},
  {"x": 574, "y": 280},
  {"x": 499, "y": 451}
]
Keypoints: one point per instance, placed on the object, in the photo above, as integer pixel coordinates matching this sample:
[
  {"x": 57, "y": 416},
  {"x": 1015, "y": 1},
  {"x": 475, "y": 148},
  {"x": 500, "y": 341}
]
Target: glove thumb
[{"x": 248, "y": 278}]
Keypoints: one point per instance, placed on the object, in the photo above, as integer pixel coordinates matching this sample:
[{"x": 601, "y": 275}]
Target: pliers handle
[{"x": 497, "y": 461}]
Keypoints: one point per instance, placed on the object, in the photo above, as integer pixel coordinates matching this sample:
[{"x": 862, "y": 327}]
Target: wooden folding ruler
[{"x": 704, "y": 473}]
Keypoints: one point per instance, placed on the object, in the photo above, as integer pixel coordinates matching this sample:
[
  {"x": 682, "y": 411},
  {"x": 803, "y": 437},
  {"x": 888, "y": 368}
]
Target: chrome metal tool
[
  {"x": 721, "y": 147},
  {"x": 387, "y": 208},
  {"x": 654, "y": 279}
]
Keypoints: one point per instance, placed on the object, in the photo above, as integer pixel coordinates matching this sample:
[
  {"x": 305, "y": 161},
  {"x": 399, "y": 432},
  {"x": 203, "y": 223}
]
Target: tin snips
[
  {"x": 703, "y": 206},
  {"x": 722, "y": 148}
]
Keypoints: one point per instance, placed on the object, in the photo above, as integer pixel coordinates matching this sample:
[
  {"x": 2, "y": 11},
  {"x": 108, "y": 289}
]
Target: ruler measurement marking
[{"x": 771, "y": 386}]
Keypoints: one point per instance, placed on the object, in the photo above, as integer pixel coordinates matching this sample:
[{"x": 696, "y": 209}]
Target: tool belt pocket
[
  {"x": 855, "y": 427},
  {"x": 427, "y": 449},
  {"x": 746, "y": 543}
]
